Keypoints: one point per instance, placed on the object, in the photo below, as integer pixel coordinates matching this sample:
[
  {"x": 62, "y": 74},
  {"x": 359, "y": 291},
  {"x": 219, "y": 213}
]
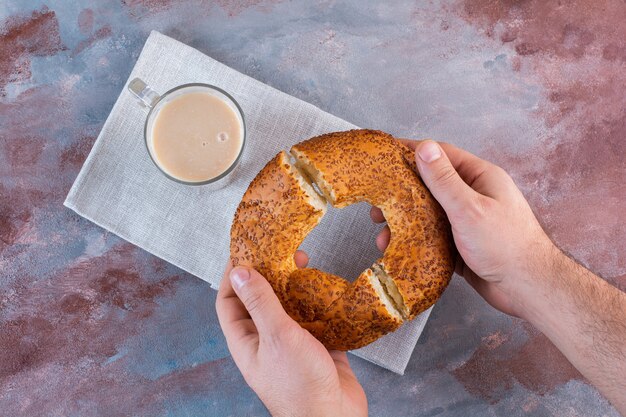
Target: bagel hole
[{"x": 343, "y": 243}]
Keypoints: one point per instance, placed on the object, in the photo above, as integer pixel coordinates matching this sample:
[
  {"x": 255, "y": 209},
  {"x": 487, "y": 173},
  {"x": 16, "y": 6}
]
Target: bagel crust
[{"x": 280, "y": 208}]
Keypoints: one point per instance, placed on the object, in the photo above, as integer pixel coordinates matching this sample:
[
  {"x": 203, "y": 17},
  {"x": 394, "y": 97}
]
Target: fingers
[
  {"x": 459, "y": 265},
  {"x": 346, "y": 375},
  {"x": 382, "y": 240},
  {"x": 239, "y": 329},
  {"x": 492, "y": 294},
  {"x": 443, "y": 181},
  {"x": 483, "y": 176},
  {"x": 341, "y": 360},
  {"x": 477, "y": 283},
  {"x": 410, "y": 143},
  {"x": 301, "y": 259},
  {"x": 377, "y": 215},
  {"x": 460, "y": 159},
  {"x": 260, "y": 301},
  {"x": 229, "y": 308},
  {"x": 339, "y": 356}
]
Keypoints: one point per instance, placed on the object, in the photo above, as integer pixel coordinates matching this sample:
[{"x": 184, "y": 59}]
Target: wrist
[{"x": 531, "y": 284}]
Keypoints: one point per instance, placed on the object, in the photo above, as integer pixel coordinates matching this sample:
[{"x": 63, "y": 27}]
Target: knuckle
[
  {"x": 255, "y": 302},
  {"x": 499, "y": 171},
  {"x": 446, "y": 175},
  {"x": 507, "y": 180}
]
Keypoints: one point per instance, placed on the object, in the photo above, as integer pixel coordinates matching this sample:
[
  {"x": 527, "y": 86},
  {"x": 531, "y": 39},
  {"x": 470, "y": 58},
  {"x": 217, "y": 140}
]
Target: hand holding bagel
[
  {"x": 290, "y": 370},
  {"x": 495, "y": 231},
  {"x": 288, "y": 198},
  {"x": 503, "y": 253},
  {"x": 510, "y": 261}
]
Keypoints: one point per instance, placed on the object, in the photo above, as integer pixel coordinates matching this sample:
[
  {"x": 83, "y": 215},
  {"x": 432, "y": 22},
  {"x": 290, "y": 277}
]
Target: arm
[
  {"x": 510, "y": 261},
  {"x": 585, "y": 317}
]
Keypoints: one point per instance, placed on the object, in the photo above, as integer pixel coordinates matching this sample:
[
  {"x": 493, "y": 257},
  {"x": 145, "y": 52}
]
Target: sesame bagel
[{"x": 281, "y": 206}]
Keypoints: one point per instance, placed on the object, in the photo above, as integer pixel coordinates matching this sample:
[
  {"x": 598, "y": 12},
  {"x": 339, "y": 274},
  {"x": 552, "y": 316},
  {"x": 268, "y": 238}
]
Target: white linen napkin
[{"x": 121, "y": 190}]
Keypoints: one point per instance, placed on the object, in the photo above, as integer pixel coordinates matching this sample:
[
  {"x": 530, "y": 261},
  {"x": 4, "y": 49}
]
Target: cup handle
[{"x": 143, "y": 92}]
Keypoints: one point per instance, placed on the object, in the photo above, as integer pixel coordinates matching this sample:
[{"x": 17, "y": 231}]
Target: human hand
[
  {"x": 499, "y": 240},
  {"x": 290, "y": 370},
  {"x": 510, "y": 261}
]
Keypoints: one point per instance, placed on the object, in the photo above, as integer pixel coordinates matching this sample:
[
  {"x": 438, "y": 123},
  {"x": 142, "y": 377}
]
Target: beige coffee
[{"x": 196, "y": 137}]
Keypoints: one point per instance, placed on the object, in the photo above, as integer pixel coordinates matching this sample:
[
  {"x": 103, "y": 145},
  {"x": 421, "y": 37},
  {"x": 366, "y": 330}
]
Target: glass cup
[{"x": 155, "y": 103}]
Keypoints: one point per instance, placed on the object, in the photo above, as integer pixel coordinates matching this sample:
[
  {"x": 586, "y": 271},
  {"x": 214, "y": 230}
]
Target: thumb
[
  {"x": 441, "y": 178},
  {"x": 259, "y": 299}
]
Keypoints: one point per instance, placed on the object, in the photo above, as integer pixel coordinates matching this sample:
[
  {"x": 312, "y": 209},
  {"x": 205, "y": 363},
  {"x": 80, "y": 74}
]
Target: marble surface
[{"x": 90, "y": 325}]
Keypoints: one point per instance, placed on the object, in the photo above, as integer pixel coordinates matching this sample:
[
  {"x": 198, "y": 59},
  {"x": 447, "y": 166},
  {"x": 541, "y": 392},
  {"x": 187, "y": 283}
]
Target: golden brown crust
[
  {"x": 369, "y": 165},
  {"x": 355, "y": 319},
  {"x": 310, "y": 293},
  {"x": 273, "y": 218},
  {"x": 275, "y": 215}
]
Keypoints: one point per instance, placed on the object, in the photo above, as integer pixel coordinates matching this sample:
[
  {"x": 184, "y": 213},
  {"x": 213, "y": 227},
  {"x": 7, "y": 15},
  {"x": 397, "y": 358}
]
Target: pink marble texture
[{"x": 90, "y": 325}]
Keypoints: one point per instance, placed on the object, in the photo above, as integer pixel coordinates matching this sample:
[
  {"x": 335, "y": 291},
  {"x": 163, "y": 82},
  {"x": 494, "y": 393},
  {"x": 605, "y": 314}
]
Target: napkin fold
[{"x": 121, "y": 190}]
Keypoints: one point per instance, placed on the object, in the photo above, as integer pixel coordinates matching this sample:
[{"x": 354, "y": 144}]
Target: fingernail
[
  {"x": 239, "y": 277},
  {"x": 429, "y": 151}
]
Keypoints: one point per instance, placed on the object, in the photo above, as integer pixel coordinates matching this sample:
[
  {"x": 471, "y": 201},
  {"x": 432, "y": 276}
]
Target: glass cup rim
[{"x": 243, "y": 139}]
